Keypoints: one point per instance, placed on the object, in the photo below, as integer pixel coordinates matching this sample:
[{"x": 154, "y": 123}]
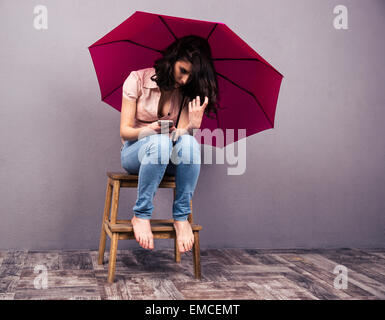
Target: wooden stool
[{"x": 122, "y": 229}]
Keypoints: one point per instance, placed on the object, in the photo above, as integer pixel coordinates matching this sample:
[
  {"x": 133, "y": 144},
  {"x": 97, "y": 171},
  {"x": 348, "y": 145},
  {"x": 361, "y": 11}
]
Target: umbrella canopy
[{"x": 248, "y": 85}]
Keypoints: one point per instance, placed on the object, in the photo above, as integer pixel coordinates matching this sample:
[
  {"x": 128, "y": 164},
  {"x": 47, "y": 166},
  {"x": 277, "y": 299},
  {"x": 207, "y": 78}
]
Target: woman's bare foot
[
  {"x": 184, "y": 235},
  {"x": 142, "y": 231}
]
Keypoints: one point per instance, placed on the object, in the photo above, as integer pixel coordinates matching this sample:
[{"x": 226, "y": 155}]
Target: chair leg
[
  {"x": 197, "y": 257},
  {"x": 112, "y": 258},
  {"x": 106, "y": 214},
  {"x": 177, "y": 252},
  {"x": 115, "y": 235}
]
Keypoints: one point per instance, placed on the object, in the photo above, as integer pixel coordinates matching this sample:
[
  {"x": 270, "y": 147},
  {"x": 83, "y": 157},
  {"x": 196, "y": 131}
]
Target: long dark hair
[{"x": 202, "y": 81}]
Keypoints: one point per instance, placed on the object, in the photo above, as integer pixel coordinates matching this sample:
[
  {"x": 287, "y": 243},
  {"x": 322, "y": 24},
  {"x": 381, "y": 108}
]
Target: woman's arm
[
  {"x": 127, "y": 120},
  {"x": 127, "y": 116},
  {"x": 184, "y": 120},
  {"x": 184, "y": 126}
]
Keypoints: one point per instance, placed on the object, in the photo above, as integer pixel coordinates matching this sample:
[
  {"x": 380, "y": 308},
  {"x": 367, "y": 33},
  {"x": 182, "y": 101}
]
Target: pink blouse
[{"x": 139, "y": 86}]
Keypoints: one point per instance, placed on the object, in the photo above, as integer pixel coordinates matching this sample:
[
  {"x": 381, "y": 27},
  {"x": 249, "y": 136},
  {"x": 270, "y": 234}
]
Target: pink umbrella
[{"x": 248, "y": 85}]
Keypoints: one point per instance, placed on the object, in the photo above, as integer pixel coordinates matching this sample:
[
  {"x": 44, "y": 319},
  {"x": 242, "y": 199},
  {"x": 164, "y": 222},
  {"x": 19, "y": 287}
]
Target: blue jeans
[{"x": 149, "y": 158}]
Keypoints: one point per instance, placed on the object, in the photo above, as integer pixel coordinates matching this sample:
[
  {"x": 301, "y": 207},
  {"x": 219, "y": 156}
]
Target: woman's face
[{"x": 182, "y": 72}]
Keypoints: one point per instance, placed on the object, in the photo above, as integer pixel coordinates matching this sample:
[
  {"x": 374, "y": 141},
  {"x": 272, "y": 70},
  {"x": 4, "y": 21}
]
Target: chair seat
[
  {"x": 134, "y": 177},
  {"x": 157, "y": 225}
]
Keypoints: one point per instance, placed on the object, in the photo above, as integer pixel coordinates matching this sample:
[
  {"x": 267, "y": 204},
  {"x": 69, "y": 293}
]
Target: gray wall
[{"x": 316, "y": 180}]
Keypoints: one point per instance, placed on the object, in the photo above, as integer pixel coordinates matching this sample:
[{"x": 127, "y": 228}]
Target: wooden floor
[{"x": 226, "y": 274}]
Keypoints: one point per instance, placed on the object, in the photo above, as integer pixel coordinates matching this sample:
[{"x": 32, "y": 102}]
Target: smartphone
[{"x": 165, "y": 123}]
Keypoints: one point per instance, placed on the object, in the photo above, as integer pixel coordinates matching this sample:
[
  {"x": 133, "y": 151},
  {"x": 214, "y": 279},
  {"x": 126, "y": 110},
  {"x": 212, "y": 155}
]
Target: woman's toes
[
  {"x": 141, "y": 242},
  {"x": 151, "y": 245},
  {"x": 144, "y": 242},
  {"x": 181, "y": 247}
]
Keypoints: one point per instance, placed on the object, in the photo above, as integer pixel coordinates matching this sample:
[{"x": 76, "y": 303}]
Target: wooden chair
[{"x": 122, "y": 229}]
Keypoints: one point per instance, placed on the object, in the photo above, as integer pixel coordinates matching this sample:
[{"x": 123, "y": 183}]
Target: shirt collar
[{"x": 147, "y": 82}]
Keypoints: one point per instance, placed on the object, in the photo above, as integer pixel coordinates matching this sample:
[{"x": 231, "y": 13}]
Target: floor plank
[
  {"x": 213, "y": 290},
  {"x": 323, "y": 274}
]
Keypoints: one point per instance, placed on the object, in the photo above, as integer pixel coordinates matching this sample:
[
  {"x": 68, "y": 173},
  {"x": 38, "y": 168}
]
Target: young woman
[{"x": 181, "y": 86}]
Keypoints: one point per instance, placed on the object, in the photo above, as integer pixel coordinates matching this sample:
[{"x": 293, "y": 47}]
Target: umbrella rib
[
  {"x": 168, "y": 28},
  {"x": 212, "y": 30},
  {"x": 247, "y": 91},
  {"x": 112, "y": 92},
  {"x": 130, "y": 41},
  {"x": 252, "y": 59}
]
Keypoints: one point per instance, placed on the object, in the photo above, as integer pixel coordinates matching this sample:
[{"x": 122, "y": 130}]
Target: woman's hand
[
  {"x": 196, "y": 111},
  {"x": 177, "y": 133},
  {"x": 155, "y": 128}
]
